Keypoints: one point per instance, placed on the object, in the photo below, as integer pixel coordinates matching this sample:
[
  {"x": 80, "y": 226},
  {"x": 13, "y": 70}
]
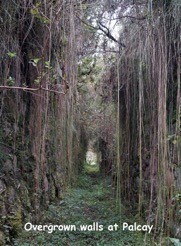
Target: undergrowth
[{"x": 90, "y": 201}]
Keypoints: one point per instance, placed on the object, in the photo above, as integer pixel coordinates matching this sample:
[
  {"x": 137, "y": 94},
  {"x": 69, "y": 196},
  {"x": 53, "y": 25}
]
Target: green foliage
[
  {"x": 89, "y": 70},
  {"x": 177, "y": 197},
  {"x": 35, "y": 61},
  {"x": 91, "y": 169},
  {"x": 64, "y": 41},
  {"x": 36, "y": 12},
  {"x": 174, "y": 138},
  {"x": 37, "y": 81},
  {"x": 15, "y": 220},
  {"x": 91, "y": 201},
  {"x": 175, "y": 241},
  {"x": 47, "y": 65},
  {"x": 10, "y": 81},
  {"x": 12, "y": 54}
]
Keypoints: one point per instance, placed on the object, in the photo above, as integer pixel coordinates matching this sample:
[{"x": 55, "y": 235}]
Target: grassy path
[{"x": 90, "y": 201}]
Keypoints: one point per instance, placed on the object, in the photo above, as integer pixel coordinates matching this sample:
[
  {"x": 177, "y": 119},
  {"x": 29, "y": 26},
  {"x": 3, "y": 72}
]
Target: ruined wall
[{"x": 39, "y": 133}]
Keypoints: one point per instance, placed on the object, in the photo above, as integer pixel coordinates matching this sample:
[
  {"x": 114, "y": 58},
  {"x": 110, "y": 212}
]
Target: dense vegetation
[
  {"x": 88, "y": 203},
  {"x": 90, "y": 75}
]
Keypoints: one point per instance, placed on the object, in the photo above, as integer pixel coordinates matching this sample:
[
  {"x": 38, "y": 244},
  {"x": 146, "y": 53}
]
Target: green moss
[
  {"x": 15, "y": 220},
  {"x": 52, "y": 190},
  {"x": 25, "y": 196}
]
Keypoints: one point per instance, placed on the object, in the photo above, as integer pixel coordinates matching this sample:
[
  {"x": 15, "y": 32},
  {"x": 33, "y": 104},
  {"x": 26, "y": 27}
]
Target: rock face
[{"x": 34, "y": 167}]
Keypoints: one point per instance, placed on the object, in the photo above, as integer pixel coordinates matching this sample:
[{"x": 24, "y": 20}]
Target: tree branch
[
  {"x": 30, "y": 89},
  {"x": 106, "y": 32},
  {"x": 87, "y": 24}
]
